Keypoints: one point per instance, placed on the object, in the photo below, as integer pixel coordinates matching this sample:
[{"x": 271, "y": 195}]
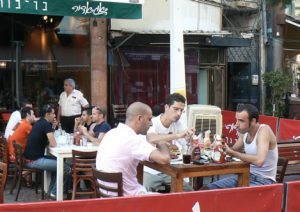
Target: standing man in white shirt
[
  {"x": 70, "y": 103},
  {"x": 15, "y": 118}
]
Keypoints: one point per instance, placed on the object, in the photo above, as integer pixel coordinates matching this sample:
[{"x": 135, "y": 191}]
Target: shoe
[{"x": 53, "y": 196}]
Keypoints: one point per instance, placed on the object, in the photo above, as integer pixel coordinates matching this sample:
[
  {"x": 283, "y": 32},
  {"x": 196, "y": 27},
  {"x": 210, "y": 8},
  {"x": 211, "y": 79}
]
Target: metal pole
[{"x": 263, "y": 40}]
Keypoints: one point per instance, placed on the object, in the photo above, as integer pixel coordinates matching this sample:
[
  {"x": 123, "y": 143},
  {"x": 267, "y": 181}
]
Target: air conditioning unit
[{"x": 205, "y": 117}]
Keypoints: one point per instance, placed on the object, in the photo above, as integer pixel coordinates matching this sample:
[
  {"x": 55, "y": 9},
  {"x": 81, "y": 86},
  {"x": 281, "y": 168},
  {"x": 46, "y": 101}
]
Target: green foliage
[
  {"x": 280, "y": 83},
  {"x": 276, "y": 2}
]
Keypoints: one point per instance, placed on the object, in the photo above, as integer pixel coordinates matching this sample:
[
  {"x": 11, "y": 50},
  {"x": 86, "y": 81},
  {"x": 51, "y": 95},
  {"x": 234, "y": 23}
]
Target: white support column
[{"x": 177, "y": 66}]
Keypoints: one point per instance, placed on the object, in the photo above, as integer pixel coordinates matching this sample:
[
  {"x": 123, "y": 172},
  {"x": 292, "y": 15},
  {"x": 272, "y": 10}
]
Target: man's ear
[{"x": 167, "y": 107}]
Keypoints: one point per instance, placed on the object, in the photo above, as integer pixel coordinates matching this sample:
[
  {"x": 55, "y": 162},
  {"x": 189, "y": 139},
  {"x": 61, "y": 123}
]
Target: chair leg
[
  {"x": 14, "y": 182},
  {"x": 19, "y": 185},
  {"x": 75, "y": 182}
]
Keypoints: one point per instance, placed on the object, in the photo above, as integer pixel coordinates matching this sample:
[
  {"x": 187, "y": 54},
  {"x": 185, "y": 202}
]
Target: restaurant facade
[{"x": 109, "y": 64}]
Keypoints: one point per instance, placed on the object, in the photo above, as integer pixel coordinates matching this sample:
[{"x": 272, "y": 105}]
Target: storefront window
[{"x": 40, "y": 52}]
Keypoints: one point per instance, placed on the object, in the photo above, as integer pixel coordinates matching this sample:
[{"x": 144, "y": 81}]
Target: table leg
[
  {"x": 176, "y": 184},
  {"x": 59, "y": 178},
  {"x": 243, "y": 179}
]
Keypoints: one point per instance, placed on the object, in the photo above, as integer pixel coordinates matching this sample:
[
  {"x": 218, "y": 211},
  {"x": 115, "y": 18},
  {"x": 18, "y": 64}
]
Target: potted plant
[{"x": 280, "y": 82}]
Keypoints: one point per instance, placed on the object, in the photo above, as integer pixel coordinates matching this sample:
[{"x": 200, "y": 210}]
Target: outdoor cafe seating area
[{"x": 83, "y": 157}]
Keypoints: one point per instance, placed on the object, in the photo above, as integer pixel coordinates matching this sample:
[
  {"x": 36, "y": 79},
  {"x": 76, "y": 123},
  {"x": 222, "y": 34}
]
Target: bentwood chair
[
  {"x": 281, "y": 168},
  {"x": 20, "y": 169},
  {"x": 108, "y": 184},
  {"x": 3, "y": 176},
  {"x": 119, "y": 113},
  {"x": 82, "y": 170}
]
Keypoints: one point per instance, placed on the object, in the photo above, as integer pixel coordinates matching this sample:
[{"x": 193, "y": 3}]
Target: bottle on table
[{"x": 77, "y": 139}]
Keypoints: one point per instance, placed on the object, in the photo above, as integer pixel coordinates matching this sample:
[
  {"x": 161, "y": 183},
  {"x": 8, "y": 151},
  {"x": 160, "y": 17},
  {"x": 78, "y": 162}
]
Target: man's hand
[
  {"x": 82, "y": 129},
  {"x": 228, "y": 150},
  {"x": 54, "y": 123}
]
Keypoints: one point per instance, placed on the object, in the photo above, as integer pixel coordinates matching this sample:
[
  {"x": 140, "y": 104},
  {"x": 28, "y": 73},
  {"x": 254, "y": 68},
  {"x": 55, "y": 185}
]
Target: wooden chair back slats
[
  {"x": 82, "y": 170},
  {"x": 104, "y": 190}
]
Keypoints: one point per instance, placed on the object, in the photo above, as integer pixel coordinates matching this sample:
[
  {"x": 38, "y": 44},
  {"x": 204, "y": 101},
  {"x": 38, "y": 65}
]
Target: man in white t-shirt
[
  {"x": 122, "y": 148},
  {"x": 15, "y": 118},
  {"x": 167, "y": 127}
]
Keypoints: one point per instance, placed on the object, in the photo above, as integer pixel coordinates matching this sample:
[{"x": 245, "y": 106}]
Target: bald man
[{"x": 122, "y": 148}]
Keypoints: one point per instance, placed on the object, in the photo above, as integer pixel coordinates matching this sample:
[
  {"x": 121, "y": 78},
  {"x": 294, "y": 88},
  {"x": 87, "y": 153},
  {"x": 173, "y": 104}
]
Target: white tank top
[{"x": 269, "y": 168}]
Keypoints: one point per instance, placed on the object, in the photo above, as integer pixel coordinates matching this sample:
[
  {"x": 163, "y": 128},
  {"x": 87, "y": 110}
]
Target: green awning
[{"x": 83, "y": 8}]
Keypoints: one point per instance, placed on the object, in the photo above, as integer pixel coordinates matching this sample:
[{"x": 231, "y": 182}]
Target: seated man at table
[
  {"x": 21, "y": 131},
  {"x": 167, "y": 127},
  {"x": 85, "y": 120},
  {"x": 122, "y": 148},
  {"x": 15, "y": 118},
  {"x": 40, "y": 136},
  {"x": 101, "y": 126},
  {"x": 260, "y": 146}
]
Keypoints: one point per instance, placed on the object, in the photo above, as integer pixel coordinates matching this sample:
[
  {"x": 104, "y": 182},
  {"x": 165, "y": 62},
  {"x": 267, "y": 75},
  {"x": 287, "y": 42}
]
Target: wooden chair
[
  {"x": 4, "y": 120},
  {"x": 5, "y": 158},
  {"x": 82, "y": 170},
  {"x": 104, "y": 190},
  {"x": 19, "y": 169},
  {"x": 119, "y": 113},
  {"x": 282, "y": 164},
  {"x": 3, "y": 176}
]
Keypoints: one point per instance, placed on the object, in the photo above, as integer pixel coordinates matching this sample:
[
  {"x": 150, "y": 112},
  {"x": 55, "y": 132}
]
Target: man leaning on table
[
  {"x": 96, "y": 134},
  {"x": 167, "y": 127},
  {"x": 122, "y": 148},
  {"x": 259, "y": 143},
  {"x": 40, "y": 136}
]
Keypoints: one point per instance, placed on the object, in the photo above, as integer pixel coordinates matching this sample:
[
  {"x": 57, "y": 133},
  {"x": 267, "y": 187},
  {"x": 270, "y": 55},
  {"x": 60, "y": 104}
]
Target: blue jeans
[
  {"x": 232, "y": 182},
  {"x": 49, "y": 164}
]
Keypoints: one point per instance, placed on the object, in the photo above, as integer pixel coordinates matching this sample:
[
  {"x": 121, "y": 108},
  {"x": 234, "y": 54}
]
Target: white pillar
[{"x": 177, "y": 72}]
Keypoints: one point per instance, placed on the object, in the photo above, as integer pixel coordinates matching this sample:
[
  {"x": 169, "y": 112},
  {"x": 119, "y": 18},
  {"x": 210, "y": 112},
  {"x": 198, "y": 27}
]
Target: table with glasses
[
  {"x": 180, "y": 171},
  {"x": 61, "y": 151}
]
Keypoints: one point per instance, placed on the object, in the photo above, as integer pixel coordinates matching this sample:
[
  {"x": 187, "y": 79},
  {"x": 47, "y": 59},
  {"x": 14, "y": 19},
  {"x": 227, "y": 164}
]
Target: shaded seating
[
  {"x": 119, "y": 113},
  {"x": 281, "y": 168},
  {"x": 82, "y": 170},
  {"x": 3, "y": 176},
  {"x": 20, "y": 168},
  {"x": 105, "y": 190}
]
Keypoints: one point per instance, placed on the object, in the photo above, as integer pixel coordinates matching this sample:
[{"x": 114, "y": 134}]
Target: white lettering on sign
[
  {"x": 17, "y": 4},
  {"x": 231, "y": 127},
  {"x": 87, "y": 9}
]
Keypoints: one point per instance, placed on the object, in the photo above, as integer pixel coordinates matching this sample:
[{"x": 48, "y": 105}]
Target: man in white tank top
[{"x": 259, "y": 143}]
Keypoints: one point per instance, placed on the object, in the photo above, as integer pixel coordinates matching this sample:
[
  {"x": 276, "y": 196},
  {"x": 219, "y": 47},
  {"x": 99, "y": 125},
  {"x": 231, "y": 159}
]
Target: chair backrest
[
  {"x": 119, "y": 112},
  {"x": 3, "y": 150},
  {"x": 83, "y": 161},
  {"x": 3, "y": 176},
  {"x": 281, "y": 168},
  {"x": 19, "y": 156},
  {"x": 115, "y": 186}
]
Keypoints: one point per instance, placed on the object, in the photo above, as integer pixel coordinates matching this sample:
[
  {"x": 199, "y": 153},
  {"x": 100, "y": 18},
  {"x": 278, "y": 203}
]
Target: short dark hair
[
  {"x": 250, "y": 109},
  {"x": 175, "y": 97},
  {"x": 24, "y": 111},
  {"x": 46, "y": 109},
  {"x": 25, "y": 102},
  {"x": 88, "y": 110}
]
